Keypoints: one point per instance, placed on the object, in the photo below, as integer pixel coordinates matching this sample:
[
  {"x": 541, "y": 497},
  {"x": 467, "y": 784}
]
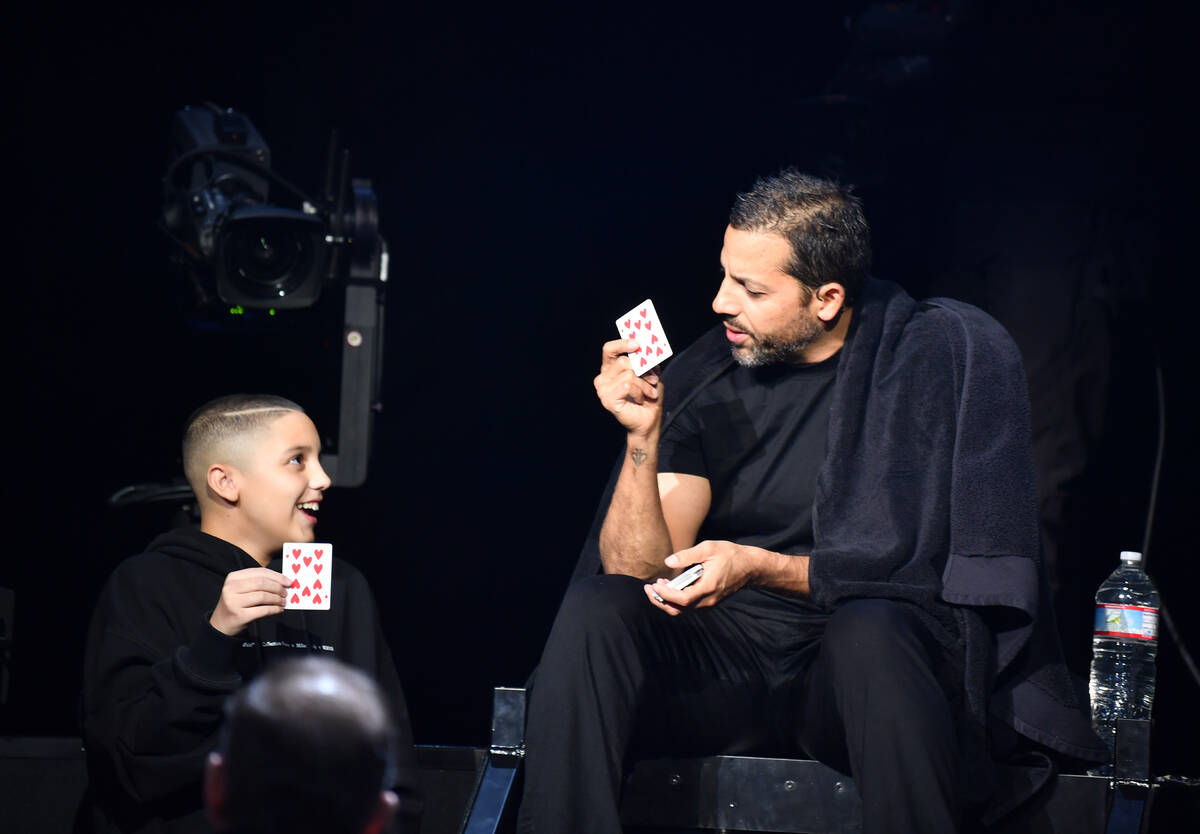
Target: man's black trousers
[{"x": 862, "y": 690}]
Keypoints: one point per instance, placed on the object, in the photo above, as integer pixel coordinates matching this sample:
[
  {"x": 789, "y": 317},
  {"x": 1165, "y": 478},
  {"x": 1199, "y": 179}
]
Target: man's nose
[{"x": 724, "y": 303}]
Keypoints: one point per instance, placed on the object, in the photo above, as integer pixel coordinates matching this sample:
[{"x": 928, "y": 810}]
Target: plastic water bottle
[{"x": 1124, "y": 644}]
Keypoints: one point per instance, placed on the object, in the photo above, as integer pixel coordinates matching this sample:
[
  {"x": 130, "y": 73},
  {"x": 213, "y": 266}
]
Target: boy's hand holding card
[
  {"x": 309, "y": 566},
  {"x": 642, "y": 325}
]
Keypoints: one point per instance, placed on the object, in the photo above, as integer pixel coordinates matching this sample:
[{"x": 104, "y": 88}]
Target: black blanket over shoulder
[{"x": 927, "y": 496}]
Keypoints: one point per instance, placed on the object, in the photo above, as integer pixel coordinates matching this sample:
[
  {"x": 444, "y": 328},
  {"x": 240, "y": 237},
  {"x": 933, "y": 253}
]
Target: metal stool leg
[{"x": 494, "y": 796}]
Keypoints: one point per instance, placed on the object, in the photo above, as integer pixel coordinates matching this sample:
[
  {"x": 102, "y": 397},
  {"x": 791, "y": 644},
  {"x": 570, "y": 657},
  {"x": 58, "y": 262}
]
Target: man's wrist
[
  {"x": 642, "y": 448},
  {"x": 777, "y": 571}
]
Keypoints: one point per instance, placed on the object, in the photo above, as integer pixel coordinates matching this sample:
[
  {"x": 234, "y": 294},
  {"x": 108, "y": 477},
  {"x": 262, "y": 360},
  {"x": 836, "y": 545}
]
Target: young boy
[{"x": 179, "y": 628}]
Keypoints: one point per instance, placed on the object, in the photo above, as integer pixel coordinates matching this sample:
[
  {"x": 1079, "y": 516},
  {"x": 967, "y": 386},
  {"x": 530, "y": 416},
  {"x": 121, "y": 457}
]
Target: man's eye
[{"x": 753, "y": 292}]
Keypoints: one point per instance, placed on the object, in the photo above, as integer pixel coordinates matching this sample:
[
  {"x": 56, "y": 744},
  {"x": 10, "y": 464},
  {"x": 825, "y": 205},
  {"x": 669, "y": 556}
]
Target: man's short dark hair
[
  {"x": 307, "y": 747},
  {"x": 821, "y": 219}
]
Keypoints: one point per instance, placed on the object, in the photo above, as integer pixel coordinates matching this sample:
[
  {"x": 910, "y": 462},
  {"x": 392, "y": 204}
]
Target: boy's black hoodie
[{"x": 156, "y": 676}]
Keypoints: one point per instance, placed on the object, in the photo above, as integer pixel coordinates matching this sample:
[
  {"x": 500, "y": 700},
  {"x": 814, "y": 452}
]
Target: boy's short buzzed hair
[{"x": 218, "y": 421}]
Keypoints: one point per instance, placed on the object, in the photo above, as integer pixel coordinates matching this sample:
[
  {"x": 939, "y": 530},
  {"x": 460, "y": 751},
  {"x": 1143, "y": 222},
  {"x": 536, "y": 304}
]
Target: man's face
[
  {"x": 281, "y": 483},
  {"x": 768, "y": 315}
]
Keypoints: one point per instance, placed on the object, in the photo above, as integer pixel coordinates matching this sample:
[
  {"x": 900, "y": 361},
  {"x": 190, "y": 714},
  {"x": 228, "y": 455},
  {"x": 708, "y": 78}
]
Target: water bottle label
[{"x": 1132, "y": 621}]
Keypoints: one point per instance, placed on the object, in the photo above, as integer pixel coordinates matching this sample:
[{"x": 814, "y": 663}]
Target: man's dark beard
[{"x": 785, "y": 349}]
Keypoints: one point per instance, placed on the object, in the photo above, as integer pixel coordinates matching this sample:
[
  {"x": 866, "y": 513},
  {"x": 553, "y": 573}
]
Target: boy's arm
[{"x": 155, "y": 685}]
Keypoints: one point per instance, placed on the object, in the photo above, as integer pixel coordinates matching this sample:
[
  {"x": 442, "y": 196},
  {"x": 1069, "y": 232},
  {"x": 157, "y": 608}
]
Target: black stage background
[{"x": 539, "y": 171}]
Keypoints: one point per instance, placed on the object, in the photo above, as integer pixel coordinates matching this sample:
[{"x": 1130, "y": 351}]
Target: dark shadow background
[{"x": 541, "y": 170}]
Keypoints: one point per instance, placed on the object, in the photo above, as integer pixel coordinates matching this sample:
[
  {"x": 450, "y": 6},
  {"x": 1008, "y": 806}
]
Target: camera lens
[{"x": 268, "y": 257}]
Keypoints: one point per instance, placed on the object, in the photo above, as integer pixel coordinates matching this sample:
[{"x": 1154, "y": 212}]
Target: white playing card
[
  {"x": 310, "y": 567},
  {"x": 642, "y": 325}
]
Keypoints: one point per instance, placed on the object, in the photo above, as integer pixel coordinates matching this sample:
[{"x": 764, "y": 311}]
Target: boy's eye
[{"x": 297, "y": 459}]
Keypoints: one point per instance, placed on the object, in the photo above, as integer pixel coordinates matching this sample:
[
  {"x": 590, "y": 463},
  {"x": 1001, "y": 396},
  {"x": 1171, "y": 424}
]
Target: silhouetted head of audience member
[{"x": 307, "y": 747}]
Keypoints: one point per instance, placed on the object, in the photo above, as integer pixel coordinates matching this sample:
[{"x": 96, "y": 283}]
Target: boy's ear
[{"x": 222, "y": 482}]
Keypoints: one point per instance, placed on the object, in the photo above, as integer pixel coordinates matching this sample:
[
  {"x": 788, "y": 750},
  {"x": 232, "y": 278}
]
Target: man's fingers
[
  {"x": 616, "y": 349},
  {"x": 689, "y": 556},
  {"x": 657, "y": 603},
  {"x": 637, "y": 389},
  {"x": 682, "y": 598}
]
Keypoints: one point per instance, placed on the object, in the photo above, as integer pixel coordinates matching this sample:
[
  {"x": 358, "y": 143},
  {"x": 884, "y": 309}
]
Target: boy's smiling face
[{"x": 280, "y": 484}]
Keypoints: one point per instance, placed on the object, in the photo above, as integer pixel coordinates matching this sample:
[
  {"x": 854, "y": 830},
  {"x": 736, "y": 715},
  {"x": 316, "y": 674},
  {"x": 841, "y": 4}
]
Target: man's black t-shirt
[{"x": 758, "y": 435}]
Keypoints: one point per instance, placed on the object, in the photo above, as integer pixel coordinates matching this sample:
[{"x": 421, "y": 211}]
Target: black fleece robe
[
  {"x": 156, "y": 676},
  {"x": 926, "y": 496}
]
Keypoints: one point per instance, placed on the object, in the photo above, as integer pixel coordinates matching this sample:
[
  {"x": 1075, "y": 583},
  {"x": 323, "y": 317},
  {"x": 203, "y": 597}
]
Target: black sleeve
[
  {"x": 154, "y": 689},
  {"x": 680, "y": 449}
]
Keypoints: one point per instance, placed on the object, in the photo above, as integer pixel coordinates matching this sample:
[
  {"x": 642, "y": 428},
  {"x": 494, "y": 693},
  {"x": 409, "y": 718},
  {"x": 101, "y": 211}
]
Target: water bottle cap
[{"x": 1130, "y": 556}]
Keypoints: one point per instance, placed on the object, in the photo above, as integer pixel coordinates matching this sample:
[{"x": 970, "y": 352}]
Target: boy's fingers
[{"x": 260, "y": 611}]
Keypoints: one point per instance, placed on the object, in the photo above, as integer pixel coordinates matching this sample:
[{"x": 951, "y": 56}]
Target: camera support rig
[
  {"x": 237, "y": 248},
  {"x": 362, "y": 336}
]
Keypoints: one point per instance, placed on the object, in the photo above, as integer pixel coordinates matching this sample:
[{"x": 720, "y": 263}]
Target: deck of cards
[
  {"x": 642, "y": 325},
  {"x": 310, "y": 567}
]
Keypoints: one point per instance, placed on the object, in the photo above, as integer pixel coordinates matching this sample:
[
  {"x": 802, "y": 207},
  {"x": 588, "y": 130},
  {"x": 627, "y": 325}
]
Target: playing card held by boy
[{"x": 310, "y": 567}]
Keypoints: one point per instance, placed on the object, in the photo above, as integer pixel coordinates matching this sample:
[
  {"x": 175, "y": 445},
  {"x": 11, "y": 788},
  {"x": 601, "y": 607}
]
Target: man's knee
[
  {"x": 599, "y": 604},
  {"x": 878, "y": 641}
]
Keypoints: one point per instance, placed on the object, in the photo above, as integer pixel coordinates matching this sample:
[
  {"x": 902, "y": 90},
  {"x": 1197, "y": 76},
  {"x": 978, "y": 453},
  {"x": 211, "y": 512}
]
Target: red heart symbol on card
[
  {"x": 317, "y": 599},
  {"x": 627, "y": 324},
  {"x": 295, "y": 599},
  {"x": 653, "y": 339},
  {"x": 296, "y": 553},
  {"x": 318, "y": 553},
  {"x": 305, "y": 592},
  {"x": 637, "y": 324},
  {"x": 295, "y": 568},
  {"x": 318, "y": 584},
  {"x": 643, "y": 361},
  {"x": 660, "y": 351},
  {"x": 295, "y": 583},
  {"x": 649, "y": 325},
  {"x": 642, "y": 312},
  {"x": 307, "y": 560},
  {"x": 317, "y": 568}
]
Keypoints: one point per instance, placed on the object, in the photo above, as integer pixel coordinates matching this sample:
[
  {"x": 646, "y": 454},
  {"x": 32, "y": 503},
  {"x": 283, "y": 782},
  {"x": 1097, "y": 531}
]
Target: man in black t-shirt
[
  {"x": 820, "y": 464},
  {"x": 744, "y": 662}
]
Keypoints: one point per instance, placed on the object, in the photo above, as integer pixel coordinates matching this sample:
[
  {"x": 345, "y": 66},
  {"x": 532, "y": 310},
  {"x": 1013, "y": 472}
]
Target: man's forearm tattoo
[{"x": 639, "y": 456}]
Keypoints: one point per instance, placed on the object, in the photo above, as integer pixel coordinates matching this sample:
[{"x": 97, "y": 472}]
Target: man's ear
[
  {"x": 222, "y": 482},
  {"x": 385, "y": 809},
  {"x": 830, "y": 299},
  {"x": 214, "y": 790}
]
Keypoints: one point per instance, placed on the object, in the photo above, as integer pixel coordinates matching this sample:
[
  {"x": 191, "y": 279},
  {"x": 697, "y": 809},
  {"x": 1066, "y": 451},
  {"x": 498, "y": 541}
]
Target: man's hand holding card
[{"x": 627, "y": 384}]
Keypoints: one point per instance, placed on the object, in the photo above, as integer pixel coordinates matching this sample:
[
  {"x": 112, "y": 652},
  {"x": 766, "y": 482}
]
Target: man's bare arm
[
  {"x": 635, "y": 539},
  {"x": 643, "y": 524}
]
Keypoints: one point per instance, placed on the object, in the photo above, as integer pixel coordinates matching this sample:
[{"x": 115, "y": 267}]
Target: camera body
[{"x": 217, "y": 207}]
